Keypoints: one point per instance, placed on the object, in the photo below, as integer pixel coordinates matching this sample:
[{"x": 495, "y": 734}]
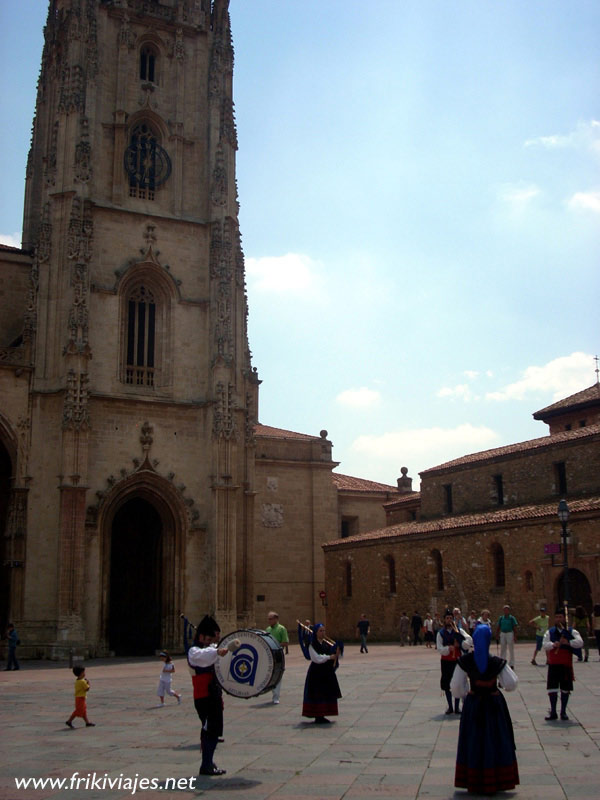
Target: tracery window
[
  {"x": 148, "y": 61},
  {"x": 141, "y": 338},
  {"x": 147, "y": 163}
]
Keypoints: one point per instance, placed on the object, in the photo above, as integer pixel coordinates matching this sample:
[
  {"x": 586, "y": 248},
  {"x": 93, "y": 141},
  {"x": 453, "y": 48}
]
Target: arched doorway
[
  {"x": 5, "y": 556},
  {"x": 580, "y": 592},
  {"x": 136, "y": 554}
]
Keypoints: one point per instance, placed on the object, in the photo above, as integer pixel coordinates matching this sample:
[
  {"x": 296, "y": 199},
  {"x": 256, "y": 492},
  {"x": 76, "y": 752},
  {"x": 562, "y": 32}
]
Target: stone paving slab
[{"x": 391, "y": 738}]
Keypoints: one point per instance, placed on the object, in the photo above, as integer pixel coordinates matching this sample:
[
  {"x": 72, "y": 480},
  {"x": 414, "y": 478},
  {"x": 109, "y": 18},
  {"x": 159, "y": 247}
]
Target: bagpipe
[{"x": 305, "y": 637}]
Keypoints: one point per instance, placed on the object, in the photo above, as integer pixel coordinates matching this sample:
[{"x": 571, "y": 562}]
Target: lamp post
[{"x": 563, "y": 515}]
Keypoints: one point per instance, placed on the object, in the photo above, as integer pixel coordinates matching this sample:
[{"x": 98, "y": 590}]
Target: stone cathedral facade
[{"x": 130, "y": 486}]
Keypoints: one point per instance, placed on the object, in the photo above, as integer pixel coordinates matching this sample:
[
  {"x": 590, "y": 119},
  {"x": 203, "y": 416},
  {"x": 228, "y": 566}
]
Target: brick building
[
  {"x": 475, "y": 535},
  {"x": 135, "y": 479}
]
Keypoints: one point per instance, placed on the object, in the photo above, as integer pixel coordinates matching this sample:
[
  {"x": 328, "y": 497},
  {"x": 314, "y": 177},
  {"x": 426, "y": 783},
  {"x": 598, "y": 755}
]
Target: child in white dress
[{"x": 164, "y": 683}]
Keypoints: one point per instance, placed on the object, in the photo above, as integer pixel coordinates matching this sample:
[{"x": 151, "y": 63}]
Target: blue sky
[{"x": 420, "y": 209}]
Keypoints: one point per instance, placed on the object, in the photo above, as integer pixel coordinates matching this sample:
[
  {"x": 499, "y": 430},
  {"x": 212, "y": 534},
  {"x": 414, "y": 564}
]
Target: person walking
[
  {"x": 404, "y": 626},
  {"x": 541, "y": 623},
  {"x": 82, "y": 687},
  {"x": 363, "y": 629},
  {"x": 581, "y": 621},
  {"x": 596, "y": 625},
  {"x": 13, "y": 641},
  {"x": 165, "y": 680},
  {"x": 506, "y": 631},
  {"x": 280, "y": 634},
  {"x": 416, "y": 623}
]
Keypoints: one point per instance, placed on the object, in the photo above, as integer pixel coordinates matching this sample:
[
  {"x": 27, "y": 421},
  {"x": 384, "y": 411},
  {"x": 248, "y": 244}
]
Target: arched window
[
  {"x": 436, "y": 557},
  {"x": 529, "y": 581},
  {"x": 148, "y": 63},
  {"x": 391, "y": 565},
  {"x": 498, "y": 565},
  {"x": 146, "y": 296},
  {"x": 348, "y": 579},
  {"x": 141, "y": 338},
  {"x": 147, "y": 163}
]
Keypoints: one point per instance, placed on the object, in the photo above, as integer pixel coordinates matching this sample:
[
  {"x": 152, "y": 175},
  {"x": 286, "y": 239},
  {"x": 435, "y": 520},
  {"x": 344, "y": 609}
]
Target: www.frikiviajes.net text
[{"x": 96, "y": 781}]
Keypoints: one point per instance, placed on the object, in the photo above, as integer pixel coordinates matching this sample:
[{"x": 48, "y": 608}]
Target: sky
[{"x": 420, "y": 213}]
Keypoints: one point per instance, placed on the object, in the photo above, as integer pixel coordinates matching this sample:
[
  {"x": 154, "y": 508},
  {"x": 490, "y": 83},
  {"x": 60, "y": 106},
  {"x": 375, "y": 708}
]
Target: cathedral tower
[{"x": 139, "y": 432}]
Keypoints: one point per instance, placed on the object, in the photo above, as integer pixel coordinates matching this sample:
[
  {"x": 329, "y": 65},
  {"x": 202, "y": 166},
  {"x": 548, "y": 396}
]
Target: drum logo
[{"x": 244, "y": 664}]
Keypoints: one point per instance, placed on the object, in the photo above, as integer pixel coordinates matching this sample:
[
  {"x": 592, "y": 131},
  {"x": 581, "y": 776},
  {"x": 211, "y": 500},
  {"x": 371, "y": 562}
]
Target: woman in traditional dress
[
  {"x": 485, "y": 761},
  {"x": 321, "y": 688}
]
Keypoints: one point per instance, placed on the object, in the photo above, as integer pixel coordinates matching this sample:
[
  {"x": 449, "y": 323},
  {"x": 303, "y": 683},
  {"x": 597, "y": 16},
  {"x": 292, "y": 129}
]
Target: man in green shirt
[
  {"x": 505, "y": 631},
  {"x": 541, "y": 626},
  {"x": 280, "y": 634}
]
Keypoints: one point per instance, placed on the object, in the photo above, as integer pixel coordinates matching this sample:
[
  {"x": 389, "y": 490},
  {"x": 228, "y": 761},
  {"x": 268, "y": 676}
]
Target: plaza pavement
[{"x": 391, "y": 739}]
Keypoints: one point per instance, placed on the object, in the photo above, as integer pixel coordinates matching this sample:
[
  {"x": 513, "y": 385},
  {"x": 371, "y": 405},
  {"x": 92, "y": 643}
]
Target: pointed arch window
[
  {"x": 147, "y": 163},
  {"x": 141, "y": 338},
  {"x": 148, "y": 64}
]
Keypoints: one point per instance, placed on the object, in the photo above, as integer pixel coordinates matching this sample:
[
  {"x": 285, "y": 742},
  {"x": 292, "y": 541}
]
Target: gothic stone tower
[{"x": 142, "y": 398}]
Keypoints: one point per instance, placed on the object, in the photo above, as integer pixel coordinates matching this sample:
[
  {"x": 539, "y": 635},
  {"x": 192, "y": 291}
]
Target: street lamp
[{"x": 563, "y": 515}]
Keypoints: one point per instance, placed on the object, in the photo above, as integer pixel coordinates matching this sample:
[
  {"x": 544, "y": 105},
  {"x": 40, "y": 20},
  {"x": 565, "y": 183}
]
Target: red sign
[
  {"x": 551, "y": 549},
  {"x": 322, "y": 595}
]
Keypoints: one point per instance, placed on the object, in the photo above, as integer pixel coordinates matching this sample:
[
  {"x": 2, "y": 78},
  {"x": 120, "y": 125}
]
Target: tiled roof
[
  {"x": 12, "y": 249},
  {"x": 360, "y": 484},
  {"x": 591, "y": 395},
  {"x": 521, "y": 447},
  {"x": 279, "y": 433},
  {"x": 465, "y": 521},
  {"x": 403, "y": 499}
]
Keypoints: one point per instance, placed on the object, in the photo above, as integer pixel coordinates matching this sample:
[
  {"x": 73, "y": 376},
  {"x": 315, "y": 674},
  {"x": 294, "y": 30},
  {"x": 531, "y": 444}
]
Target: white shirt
[
  {"x": 576, "y": 642},
  {"x": 459, "y": 685},
  {"x": 318, "y": 658},
  {"x": 203, "y": 656}
]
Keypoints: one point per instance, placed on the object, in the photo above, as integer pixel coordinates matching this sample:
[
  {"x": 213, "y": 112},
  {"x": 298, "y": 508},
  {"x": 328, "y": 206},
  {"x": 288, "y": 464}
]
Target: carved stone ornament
[
  {"x": 75, "y": 409},
  {"x": 223, "y": 419},
  {"x": 272, "y": 515}
]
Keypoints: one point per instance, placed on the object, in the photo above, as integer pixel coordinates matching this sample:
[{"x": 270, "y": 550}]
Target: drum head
[{"x": 255, "y": 668}]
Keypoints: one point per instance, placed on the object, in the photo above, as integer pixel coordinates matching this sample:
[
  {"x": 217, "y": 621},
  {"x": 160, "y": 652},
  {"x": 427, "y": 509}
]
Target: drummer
[
  {"x": 280, "y": 634},
  {"x": 208, "y": 699}
]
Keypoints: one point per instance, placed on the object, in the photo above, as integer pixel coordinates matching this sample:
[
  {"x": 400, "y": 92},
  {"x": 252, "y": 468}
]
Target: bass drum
[{"x": 256, "y": 666}]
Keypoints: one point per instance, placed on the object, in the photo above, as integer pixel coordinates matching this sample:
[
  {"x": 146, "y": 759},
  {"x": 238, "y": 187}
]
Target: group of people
[{"x": 486, "y": 754}]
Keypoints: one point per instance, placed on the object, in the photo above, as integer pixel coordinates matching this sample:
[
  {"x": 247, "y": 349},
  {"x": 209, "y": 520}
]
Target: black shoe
[
  {"x": 90, "y": 724},
  {"x": 322, "y": 721},
  {"x": 563, "y": 715},
  {"x": 70, "y": 724},
  {"x": 457, "y": 711},
  {"x": 212, "y": 771},
  {"x": 551, "y": 715},
  {"x": 449, "y": 711}
]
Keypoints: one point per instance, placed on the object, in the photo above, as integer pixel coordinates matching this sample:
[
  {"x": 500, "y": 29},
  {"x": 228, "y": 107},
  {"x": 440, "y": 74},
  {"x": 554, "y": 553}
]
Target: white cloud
[
  {"x": 588, "y": 201},
  {"x": 359, "y": 398},
  {"x": 518, "y": 196},
  {"x": 423, "y": 447},
  {"x": 11, "y": 239},
  {"x": 460, "y": 392},
  {"x": 292, "y": 272},
  {"x": 561, "y": 377},
  {"x": 585, "y": 136}
]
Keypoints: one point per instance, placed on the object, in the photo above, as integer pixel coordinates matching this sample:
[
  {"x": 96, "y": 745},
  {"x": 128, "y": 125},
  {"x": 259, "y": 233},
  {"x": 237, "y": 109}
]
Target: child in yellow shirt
[{"x": 82, "y": 687}]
